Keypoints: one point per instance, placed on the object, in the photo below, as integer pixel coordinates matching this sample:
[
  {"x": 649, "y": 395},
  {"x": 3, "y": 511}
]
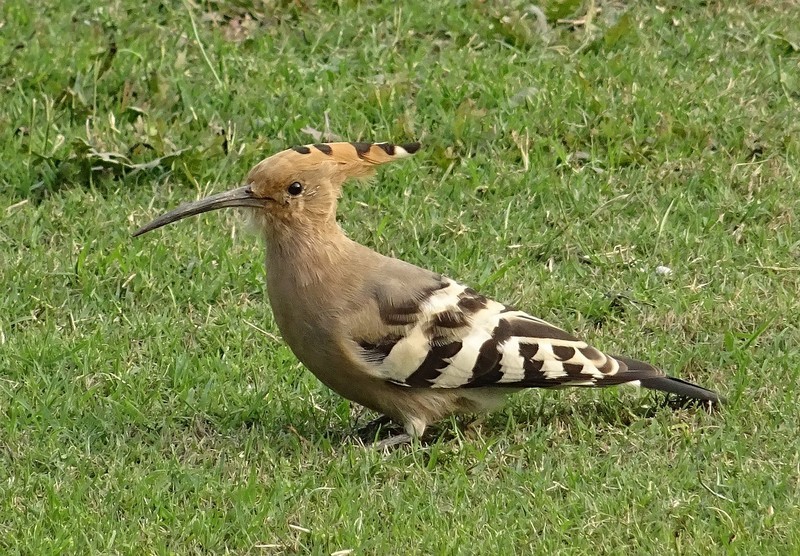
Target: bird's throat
[{"x": 305, "y": 256}]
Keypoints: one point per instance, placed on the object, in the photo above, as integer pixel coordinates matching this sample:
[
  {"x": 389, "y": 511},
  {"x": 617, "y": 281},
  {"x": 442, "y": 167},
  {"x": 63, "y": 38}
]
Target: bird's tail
[
  {"x": 671, "y": 385},
  {"x": 682, "y": 389}
]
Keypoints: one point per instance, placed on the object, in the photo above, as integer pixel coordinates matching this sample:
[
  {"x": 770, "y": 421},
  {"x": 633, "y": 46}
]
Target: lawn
[{"x": 147, "y": 404}]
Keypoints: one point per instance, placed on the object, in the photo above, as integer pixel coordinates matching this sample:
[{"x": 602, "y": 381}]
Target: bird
[{"x": 404, "y": 341}]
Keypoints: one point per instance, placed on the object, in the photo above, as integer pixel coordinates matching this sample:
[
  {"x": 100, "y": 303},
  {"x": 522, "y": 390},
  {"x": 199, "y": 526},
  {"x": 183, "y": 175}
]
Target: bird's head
[{"x": 296, "y": 188}]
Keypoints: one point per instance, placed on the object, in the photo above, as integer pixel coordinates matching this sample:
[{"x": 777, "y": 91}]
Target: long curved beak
[{"x": 241, "y": 197}]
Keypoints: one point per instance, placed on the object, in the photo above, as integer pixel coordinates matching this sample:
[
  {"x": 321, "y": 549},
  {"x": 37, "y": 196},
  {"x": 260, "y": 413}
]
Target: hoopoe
[{"x": 399, "y": 339}]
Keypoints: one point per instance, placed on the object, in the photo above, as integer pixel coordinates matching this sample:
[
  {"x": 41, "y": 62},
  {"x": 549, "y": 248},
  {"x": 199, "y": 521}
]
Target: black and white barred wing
[{"x": 453, "y": 337}]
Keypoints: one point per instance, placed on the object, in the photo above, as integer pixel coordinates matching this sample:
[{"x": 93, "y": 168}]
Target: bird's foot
[
  {"x": 383, "y": 433},
  {"x": 372, "y": 431},
  {"x": 393, "y": 441},
  {"x": 470, "y": 426}
]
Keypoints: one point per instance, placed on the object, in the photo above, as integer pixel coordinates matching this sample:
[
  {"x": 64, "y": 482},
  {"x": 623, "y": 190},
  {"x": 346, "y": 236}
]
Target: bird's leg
[
  {"x": 414, "y": 427},
  {"x": 368, "y": 432},
  {"x": 470, "y": 423},
  {"x": 392, "y": 441}
]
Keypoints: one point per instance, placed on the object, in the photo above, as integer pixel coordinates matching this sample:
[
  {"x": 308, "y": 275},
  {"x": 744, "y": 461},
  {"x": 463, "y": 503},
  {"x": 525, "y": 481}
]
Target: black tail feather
[
  {"x": 671, "y": 385},
  {"x": 682, "y": 389}
]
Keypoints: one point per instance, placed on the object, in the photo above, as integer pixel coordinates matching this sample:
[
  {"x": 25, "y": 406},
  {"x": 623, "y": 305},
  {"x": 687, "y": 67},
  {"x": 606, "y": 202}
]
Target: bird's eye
[{"x": 295, "y": 188}]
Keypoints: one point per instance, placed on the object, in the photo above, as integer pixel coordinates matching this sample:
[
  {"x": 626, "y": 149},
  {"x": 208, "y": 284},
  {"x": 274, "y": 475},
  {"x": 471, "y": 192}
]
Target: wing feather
[{"x": 453, "y": 337}]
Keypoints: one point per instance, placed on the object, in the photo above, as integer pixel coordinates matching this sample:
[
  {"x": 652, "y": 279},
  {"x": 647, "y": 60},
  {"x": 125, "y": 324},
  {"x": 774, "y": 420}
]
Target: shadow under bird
[{"x": 399, "y": 339}]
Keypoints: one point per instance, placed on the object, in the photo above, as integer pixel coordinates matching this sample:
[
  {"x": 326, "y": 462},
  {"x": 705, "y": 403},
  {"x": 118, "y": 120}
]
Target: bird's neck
[{"x": 306, "y": 254}]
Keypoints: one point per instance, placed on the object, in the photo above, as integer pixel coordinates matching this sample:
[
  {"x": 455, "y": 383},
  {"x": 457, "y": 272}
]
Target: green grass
[{"x": 145, "y": 405}]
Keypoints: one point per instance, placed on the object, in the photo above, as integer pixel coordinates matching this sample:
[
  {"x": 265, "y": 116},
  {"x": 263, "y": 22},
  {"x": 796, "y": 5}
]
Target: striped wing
[{"x": 454, "y": 337}]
